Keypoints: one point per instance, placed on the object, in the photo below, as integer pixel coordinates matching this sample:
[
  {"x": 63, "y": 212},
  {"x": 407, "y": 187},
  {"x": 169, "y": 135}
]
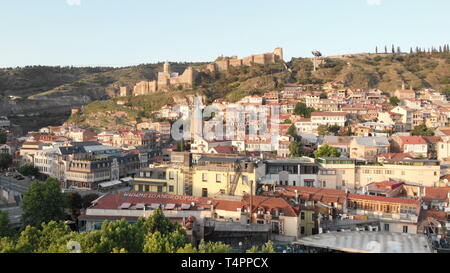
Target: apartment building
[
  {"x": 330, "y": 118},
  {"x": 368, "y": 148},
  {"x": 224, "y": 176},
  {"x": 344, "y": 173},
  {"x": 291, "y": 172},
  {"x": 167, "y": 179}
]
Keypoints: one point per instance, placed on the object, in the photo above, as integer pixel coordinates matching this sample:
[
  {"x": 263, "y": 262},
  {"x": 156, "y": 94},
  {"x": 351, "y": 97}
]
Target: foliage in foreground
[{"x": 155, "y": 234}]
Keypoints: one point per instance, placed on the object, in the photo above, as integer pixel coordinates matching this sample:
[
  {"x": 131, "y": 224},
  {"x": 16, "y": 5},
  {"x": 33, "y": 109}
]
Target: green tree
[
  {"x": 327, "y": 151},
  {"x": 170, "y": 243},
  {"x": 6, "y": 161},
  {"x": 187, "y": 249},
  {"x": 28, "y": 241},
  {"x": 334, "y": 129},
  {"x": 43, "y": 203},
  {"x": 7, "y": 245},
  {"x": 422, "y": 130},
  {"x": 394, "y": 101},
  {"x": 3, "y": 137},
  {"x": 254, "y": 249},
  {"x": 302, "y": 110},
  {"x": 157, "y": 222},
  {"x": 4, "y": 224},
  {"x": 268, "y": 248},
  {"x": 296, "y": 149},
  {"x": 29, "y": 170},
  {"x": 213, "y": 247},
  {"x": 86, "y": 201},
  {"x": 322, "y": 130},
  {"x": 114, "y": 235},
  {"x": 292, "y": 131},
  {"x": 74, "y": 203}
]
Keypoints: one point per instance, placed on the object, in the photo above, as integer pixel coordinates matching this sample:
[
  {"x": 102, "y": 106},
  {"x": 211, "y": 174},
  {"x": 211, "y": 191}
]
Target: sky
[{"x": 131, "y": 32}]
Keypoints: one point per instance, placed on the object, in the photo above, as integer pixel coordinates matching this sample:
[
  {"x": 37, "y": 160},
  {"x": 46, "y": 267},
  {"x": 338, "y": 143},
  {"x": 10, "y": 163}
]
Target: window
[
  {"x": 218, "y": 178},
  {"x": 204, "y": 192},
  {"x": 245, "y": 179},
  {"x": 405, "y": 229},
  {"x": 302, "y": 216},
  {"x": 171, "y": 188},
  {"x": 302, "y": 230},
  {"x": 160, "y": 189},
  {"x": 172, "y": 175},
  {"x": 386, "y": 227},
  {"x": 205, "y": 177}
]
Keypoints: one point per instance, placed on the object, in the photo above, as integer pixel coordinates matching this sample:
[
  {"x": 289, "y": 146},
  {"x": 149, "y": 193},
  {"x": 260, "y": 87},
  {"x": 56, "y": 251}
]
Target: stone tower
[
  {"x": 167, "y": 68},
  {"x": 279, "y": 52}
]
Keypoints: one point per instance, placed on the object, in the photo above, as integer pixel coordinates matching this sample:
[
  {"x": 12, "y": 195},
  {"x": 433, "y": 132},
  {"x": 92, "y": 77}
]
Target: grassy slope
[{"x": 386, "y": 72}]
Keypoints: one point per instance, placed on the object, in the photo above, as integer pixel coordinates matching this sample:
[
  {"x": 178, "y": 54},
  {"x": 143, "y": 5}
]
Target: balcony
[{"x": 385, "y": 216}]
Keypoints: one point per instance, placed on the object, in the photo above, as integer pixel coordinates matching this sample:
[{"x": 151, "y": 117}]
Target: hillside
[
  {"x": 383, "y": 71},
  {"x": 58, "y": 89}
]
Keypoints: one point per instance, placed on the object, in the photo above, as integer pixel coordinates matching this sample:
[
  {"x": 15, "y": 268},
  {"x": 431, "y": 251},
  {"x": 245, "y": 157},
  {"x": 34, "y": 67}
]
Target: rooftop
[{"x": 369, "y": 242}]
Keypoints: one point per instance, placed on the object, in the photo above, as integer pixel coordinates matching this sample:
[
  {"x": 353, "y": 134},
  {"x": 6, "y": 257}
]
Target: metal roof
[{"x": 369, "y": 242}]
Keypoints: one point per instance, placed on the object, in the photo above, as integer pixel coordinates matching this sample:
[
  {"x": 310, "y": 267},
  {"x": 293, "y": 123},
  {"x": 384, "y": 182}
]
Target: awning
[
  {"x": 125, "y": 206},
  {"x": 127, "y": 179},
  {"x": 185, "y": 206},
  {"x": 155, "y": 206},
  {"x": 170, "y": 207},
  {"x": 140, "y": 206},
  {"x": 110, "y": 184}
]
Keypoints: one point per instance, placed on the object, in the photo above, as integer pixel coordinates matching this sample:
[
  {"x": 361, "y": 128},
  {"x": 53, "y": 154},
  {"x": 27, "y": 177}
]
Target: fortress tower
[
  {"x": 279, "y": 52},
  {"x": 167, "y": 68}
]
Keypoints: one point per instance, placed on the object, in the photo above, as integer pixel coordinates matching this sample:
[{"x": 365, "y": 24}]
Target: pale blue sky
[{"x": 119, "y": 32}]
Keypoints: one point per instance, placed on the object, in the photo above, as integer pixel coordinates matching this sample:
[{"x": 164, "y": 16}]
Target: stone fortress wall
[
  {"x": 168, "y": 80},
  {"x": 224, "y": 64}
]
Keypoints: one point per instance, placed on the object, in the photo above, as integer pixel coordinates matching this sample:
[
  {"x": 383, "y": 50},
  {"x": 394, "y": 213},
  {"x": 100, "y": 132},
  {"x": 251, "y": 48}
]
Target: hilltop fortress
[
  {"x": 168, "y": 80},
  {"x": 224, "y": 63}
]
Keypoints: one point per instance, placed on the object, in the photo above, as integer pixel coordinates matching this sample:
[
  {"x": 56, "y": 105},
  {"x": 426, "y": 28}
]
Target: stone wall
[{"x": 266, "y": 58}]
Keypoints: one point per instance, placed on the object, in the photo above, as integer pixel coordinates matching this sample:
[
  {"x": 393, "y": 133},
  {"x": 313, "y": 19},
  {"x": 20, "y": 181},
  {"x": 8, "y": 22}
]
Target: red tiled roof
[
  {"x": 384, "y": 199},
  {"x": 324, "y": 195},
  {"x": 440, "y": 216},
  {"x": 113, "y": 201},
  {"x": 413, "y": 140},
  {"x": 432, "y": 139},
  {"x": 436, "y": 194},
  {"x": 225, "y": 149}
]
